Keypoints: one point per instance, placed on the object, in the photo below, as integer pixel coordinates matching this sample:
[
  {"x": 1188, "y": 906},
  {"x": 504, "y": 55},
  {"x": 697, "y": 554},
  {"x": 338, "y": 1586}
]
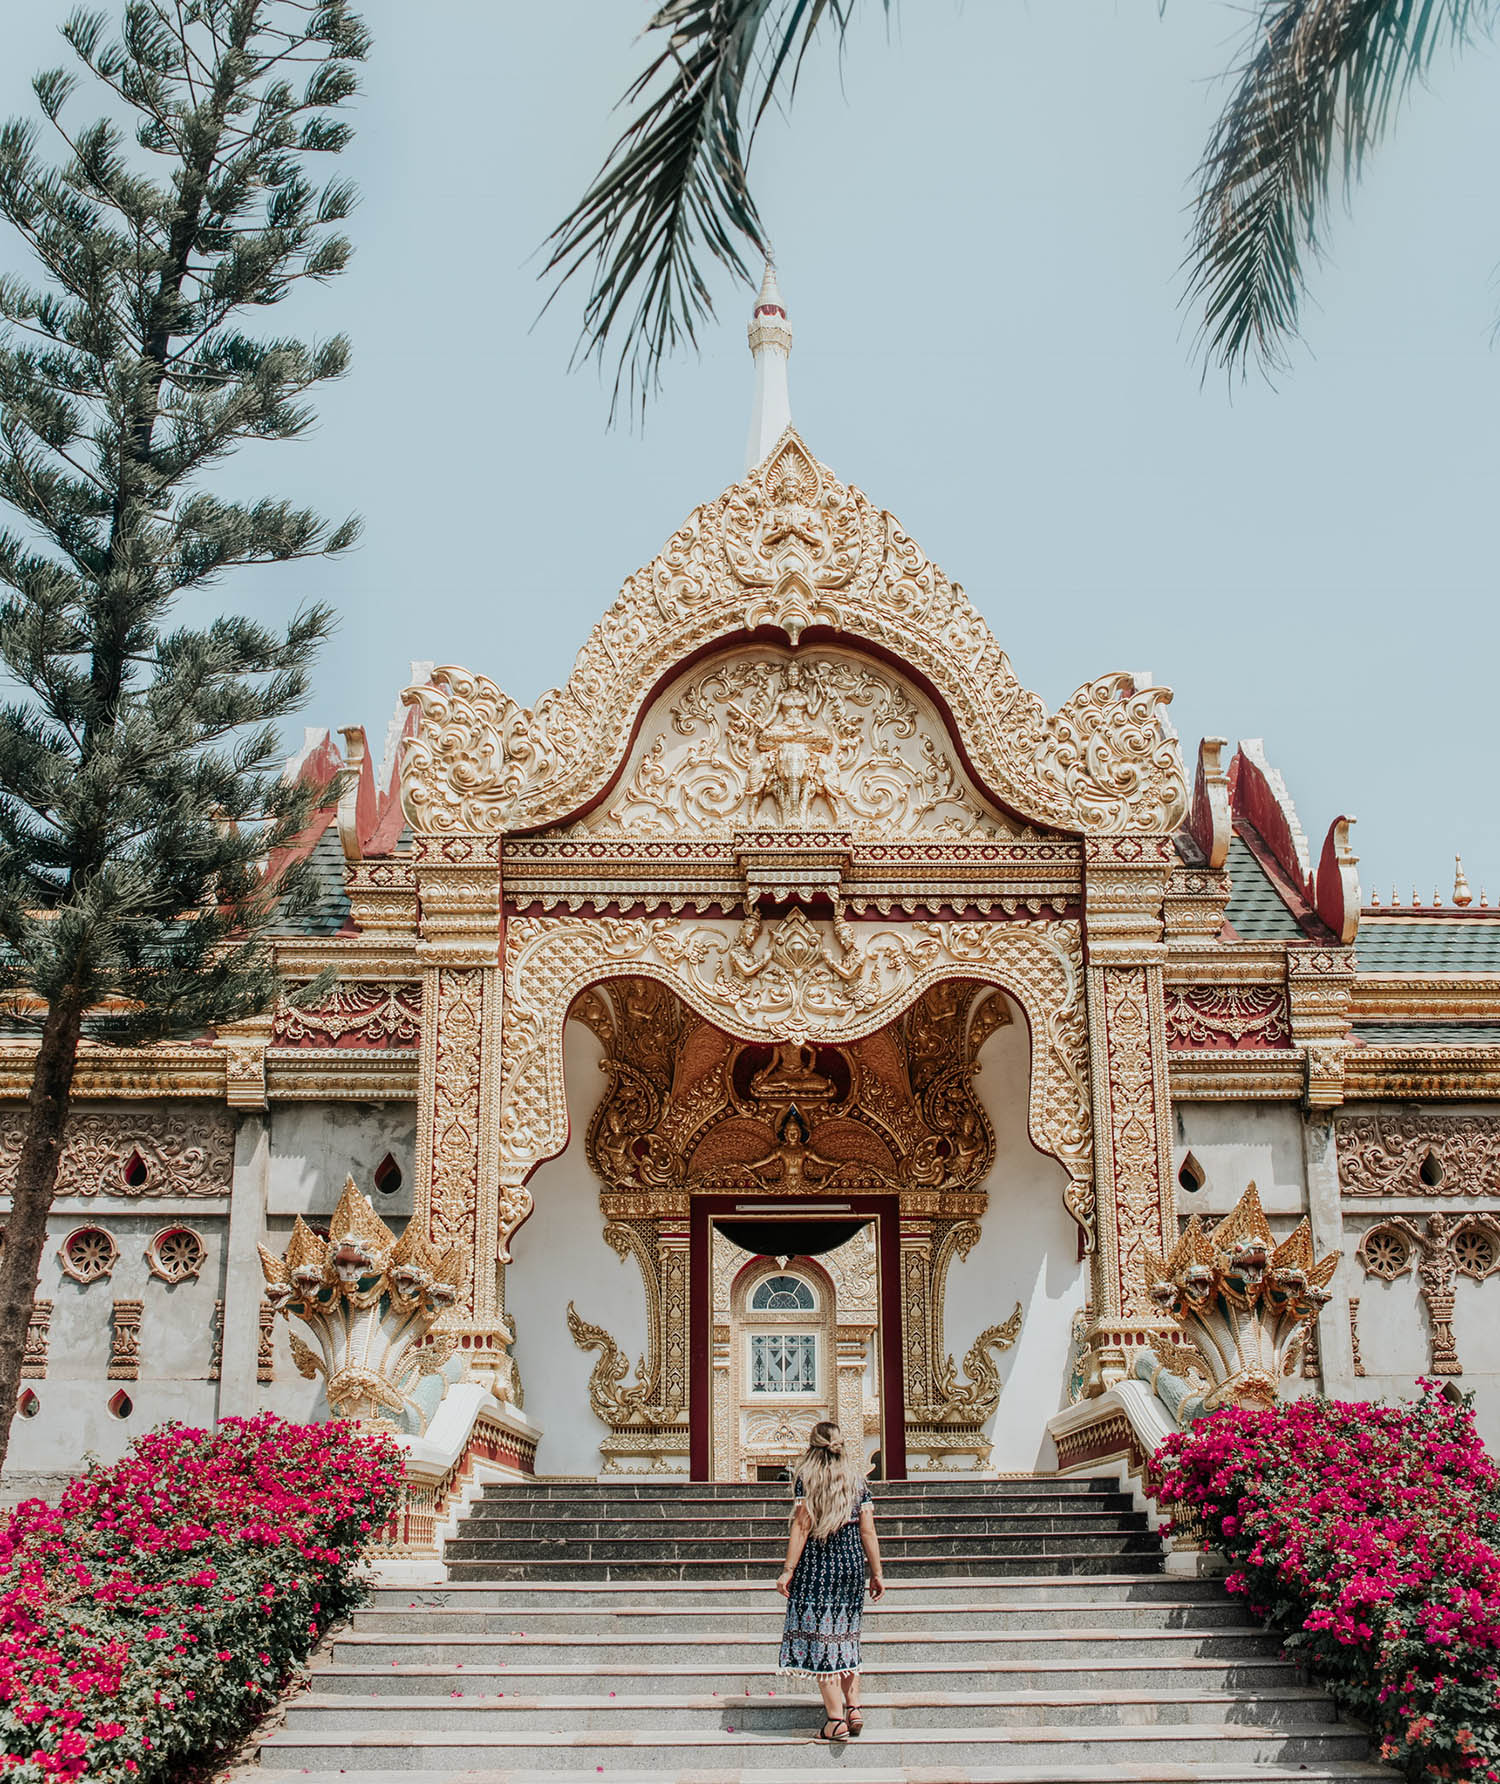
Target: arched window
[{"x": 783, "y": 1294}]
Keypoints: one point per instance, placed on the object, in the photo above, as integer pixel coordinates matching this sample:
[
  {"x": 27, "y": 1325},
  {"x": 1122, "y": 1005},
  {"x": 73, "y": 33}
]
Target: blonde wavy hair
[{"x": 830, "y": 1479}]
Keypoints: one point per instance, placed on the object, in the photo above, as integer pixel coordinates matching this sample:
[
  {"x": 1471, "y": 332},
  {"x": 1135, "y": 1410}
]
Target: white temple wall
[
  {"x": 560, "y": 1256},
  {"x": 74, "y": 1420},
  {"x": 1027, "y": 1252},
  {"x": 1238, "y": 1144}
]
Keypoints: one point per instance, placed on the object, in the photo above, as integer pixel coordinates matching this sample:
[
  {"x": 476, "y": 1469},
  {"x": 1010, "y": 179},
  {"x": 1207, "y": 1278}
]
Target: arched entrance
[{"x": 794, "y": 780}]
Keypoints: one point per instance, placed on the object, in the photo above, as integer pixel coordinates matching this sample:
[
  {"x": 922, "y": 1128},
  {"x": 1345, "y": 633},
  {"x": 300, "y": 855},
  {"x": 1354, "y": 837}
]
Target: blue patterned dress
[{"x": 825, "y": 1599}]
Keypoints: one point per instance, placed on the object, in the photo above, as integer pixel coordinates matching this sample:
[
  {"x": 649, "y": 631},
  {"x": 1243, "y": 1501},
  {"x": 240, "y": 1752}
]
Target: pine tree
[{"x": 139, "y": 793}]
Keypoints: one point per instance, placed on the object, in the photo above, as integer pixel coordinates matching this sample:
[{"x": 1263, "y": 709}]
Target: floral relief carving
[
  {"x": 1417, "y": 1152},
  {"x": 176, "y": 1254},
  {"x": 125, "y": 1341},
  {"x": 38, "y": 1334},
  {"x": 88, "y": 1254},
  {"x": 168, "y": 1151},
  {"x": 458, "y": 1020},
  {"x": 1134, "y": 1121},
  {"x": 831, "y": 740},
  {"x": 550, "y": 960},
  {"x": 1441, "y": 1248},
  {"x": 353, "y": 1014},
  {"x": 789, "y": 548},
  {"x": 1227, "y": 1016}
]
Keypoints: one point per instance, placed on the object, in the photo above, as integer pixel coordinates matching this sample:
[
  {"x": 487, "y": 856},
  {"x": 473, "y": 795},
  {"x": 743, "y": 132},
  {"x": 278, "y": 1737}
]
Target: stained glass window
[
  {"x": 783, "y": 1363},
  {"x": 782, "y": 1294}
]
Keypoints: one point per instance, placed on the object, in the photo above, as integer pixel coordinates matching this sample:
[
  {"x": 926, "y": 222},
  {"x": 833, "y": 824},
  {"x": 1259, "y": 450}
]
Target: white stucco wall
[
  {"x": 560, "y": 1256},
  {"x": 1027, "y": 1252},
  {"x": 1238, "y": 1144}
]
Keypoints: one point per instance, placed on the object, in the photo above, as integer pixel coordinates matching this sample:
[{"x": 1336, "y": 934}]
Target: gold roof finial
[
  {"x": 1374, "y": 898},
  {"x": 1395, "y": 897},
  {"x": 1462, "y": 896},
  {"x": 1416, "y": 902}
]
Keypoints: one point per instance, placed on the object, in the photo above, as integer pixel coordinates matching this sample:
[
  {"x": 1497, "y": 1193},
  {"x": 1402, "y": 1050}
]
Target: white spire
[{"x": 771, "y": 345}]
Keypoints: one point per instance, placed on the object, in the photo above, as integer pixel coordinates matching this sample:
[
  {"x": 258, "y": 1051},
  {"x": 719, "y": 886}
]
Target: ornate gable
[
  {"x": 819, "y": 738},
  {"x": 791, "y": 551}
]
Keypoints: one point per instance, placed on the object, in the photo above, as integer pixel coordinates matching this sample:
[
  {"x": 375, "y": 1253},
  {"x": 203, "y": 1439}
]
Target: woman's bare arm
[
  {"x": 796, "y": 1541},
  {"x": 870, "y": 1543}
]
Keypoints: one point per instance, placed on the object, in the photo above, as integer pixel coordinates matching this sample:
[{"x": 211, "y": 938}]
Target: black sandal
[
  {"x": 855, "y": 1719},
  {"x": 835, "y": 1722}
]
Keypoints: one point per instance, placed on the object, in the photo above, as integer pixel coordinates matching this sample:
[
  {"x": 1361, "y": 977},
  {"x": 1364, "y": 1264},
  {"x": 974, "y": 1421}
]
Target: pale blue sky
[{"x": 979, "y": 225}]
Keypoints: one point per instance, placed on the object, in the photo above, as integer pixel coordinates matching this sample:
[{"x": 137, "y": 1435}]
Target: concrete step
[
  {"x": 573, "y": 1569},
  {"x": 720, "y": 1750},
  {"x": 1088, "y": 1671},
  {"x": 740, "y": 1651},
  {"x": 469, "y": 1712},
  {"x": 612, "y": 1546},
  {"x": 516, "y": 1502},
  {"x": 654, "y": 1487},
  {"x": 893, "y": 1526},
  {"x": 646, "y": 1622},
  {"x": 914, "y": 1592},
  {"x": 1079, "y": 1771}
]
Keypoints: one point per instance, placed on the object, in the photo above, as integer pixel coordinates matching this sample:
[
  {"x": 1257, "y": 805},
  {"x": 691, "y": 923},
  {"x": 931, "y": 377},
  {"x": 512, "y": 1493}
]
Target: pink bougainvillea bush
[
  {"x": 1370, "y": 1536},
  {"x": 147, "y": 1619}
]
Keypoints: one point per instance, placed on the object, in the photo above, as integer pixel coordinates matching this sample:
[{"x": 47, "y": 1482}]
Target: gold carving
[
  {"x": 971, "y": 1402},
  {"x": 458, "y": 1017},
  {"x": 1359, "y": 1362},
  {"x": 550, "y": 960},
  {"x": 688, "y": 1108},
  {"x": 788, "y": 548},
  {"x": 38, "y": 1331},
  {"x": 88, "y": 1254},
  {"x": 181, "y": 1151},
  {"x": 1242, "y": 1304},
  {"x": 125, "y": 1341},
  {"x": 1132, "y": 1175},
  {"x": 265, "y": 1345},
  {"x": 371, "y": 1013},
  {"x": 832, "y": 740},
  {"x": 1443, "y": 1249},
  {"x": 371, "y": 1301},
  {"x": 1417, "y": 1152},
  {"x": 1226, "y": 1015},
  {"x": 613, "y": 1403},
  {"x": 176, "y": 1254}
]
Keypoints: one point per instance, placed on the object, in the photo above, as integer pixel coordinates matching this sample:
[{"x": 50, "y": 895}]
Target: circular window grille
[
  {"x": 89, "y": 1254},
  {"x": 783, "y": 1294},
  {"x": 177, "y": 1254},
  {"x": 1386, "y": 1254},
  {"x": 1474, "y": 1251}
]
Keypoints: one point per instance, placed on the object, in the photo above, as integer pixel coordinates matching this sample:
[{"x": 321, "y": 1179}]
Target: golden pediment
[
  {"x": 790, "y": 551},
  {"x": 688, "y": 1107}
]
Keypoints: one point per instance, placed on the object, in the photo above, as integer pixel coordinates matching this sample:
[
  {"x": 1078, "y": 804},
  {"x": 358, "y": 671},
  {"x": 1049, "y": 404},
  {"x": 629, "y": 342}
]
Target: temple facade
[{"x": 788, "y": 1018}]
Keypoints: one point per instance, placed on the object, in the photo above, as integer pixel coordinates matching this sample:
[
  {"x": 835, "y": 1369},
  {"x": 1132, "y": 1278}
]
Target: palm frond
[
  {"x": 1319, "y": 85},
  {"x": 673, "y": 194}
]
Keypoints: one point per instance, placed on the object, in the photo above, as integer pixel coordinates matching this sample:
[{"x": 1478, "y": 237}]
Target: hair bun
[{"x": 833, "y": 1444}]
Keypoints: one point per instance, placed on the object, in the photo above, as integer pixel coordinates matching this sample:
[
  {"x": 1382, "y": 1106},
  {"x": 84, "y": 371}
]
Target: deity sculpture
[{"x": 793, "y": 752}]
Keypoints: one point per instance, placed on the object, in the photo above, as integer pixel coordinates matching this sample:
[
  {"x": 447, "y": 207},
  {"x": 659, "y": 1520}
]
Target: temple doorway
[
  {"x": 798, "y": 1320},
  {"x": 796, "y": 1340}
]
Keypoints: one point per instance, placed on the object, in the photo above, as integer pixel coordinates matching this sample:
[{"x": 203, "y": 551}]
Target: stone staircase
[{"x": 629, "y": 1630}]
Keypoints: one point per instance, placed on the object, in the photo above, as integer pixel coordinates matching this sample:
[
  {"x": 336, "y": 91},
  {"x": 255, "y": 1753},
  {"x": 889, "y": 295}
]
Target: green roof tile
[
  {"x": 1255, "y": 907},
  {"x": 1428, "y": 945},
  {"x": 1428, "y": 1034},
  {"x": 330, "y": 904}
]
